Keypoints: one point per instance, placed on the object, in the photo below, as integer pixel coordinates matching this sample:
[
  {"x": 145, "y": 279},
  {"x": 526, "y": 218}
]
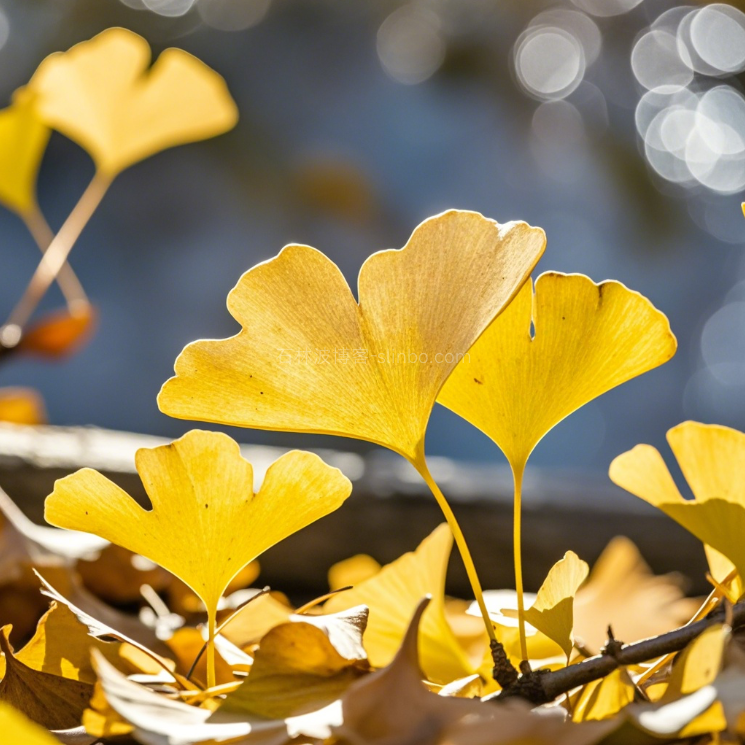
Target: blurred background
[{"x": 616, "y": 125}]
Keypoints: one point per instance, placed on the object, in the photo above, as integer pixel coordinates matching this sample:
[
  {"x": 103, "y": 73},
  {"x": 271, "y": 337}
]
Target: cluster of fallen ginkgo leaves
[{"x": 615, "y": 655}]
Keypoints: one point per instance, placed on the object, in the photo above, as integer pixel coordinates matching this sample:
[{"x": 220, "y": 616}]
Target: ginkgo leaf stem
[
  {"x": 211, "y": 626},
  {"x": 43, "y": 235},
  {"x": 460, "y": 542},
  {"x": 56, "y": 254},
  {"x": 517, "y": 478}
]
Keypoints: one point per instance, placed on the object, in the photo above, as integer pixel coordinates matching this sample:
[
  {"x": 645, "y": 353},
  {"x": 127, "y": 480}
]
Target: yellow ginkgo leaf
[
  {"x": 23, "y": 139},
  {"x": 516, "y": 386},
  {"x": 605, "y": 697},
  {"x": 552, "y": 613},
  {"x": 588, "y": 339},
  {"x": 394, "y": 593},
  {"x": 712, "y": 459},
  {"x": 17, "y": 728},
  {"x": 206, "y": 523},
  {"x": 352, "y": 571},
  {"x": 311, "y": 359},
  {"x": 101, "y": 94}
]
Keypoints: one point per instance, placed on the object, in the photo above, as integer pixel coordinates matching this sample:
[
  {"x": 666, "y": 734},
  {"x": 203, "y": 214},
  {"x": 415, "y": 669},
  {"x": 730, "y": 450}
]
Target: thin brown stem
[
  {"x": 543, "y": 686},
  {"x": 54, "y": 258},
  {"x": 67, "y": 280}
]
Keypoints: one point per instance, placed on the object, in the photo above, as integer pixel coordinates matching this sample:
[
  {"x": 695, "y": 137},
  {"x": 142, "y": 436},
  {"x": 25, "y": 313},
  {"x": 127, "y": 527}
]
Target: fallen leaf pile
[{"x": 122, "y": 622}]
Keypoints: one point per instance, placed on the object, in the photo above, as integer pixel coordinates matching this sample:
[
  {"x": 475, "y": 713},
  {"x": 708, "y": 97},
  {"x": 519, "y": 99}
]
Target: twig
[{"x": 542, "y": 686}]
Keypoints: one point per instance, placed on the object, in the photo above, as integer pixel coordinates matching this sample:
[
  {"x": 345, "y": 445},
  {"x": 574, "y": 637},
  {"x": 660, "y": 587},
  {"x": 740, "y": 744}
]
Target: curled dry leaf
[
  {"x": 50, "y": 700},
  {"x": 393, "y": 595},
  {"x": 303, "y": 665},
  {"x": 101, "y": 94},
  {"x": 712, "y": 459}
]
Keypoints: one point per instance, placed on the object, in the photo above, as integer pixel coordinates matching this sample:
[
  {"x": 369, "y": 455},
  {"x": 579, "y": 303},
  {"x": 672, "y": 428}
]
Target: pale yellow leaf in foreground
[
  {"x": 102, "y": 94},
  {"x": 206, "y": 523},
  {"x": 23, "y": 139},
  {"x": 588, "y": 339},
  {"x": 712, "y": 459},
  {"x": 394, "y": 593},
  {"x": 311, "y": 359},
  {"x": 552, "y": 613},
  {"x": 17, "y": 728}
]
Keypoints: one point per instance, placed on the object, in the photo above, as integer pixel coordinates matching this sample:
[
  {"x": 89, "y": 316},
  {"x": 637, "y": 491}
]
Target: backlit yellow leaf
[
  {"x": 311, "y": 359},
  {"x": 394, "y": 593},
  {"x": 23, "y": 139},
  {"x": 712, "y": 459},
  {"x": 17, "y": 728},
  {"x": 206, "y": 523},
  {"x": 553, "y": 610},
  {"x": 101, "y": 94},
  {"x": 588, "y": 339}
]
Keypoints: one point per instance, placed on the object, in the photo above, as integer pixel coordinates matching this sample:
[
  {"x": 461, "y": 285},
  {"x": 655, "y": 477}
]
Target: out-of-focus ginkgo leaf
[
  {"x": 311, "y": 359},
  {"x": 605, "y": 697},
  {"x": 588, "y": 338},
  {"x": 552, "y": 613},
  {"x": 185, "y": 645},
  {"x": 712, "y": 459},
  {"x": 23, "y": 140},
  {"x": 303, "y": 665},
  {"x": 622, "y": 592},
  {"x": 17, "y": 728},
  {"x": 206, "y": 523},
  {"x": 393, "y": 595},
  {"x": 59, "y": 333},
  {"x": 22, "y": 406},
  {"x": 352, "y": 571},
  {"x": 102, "y": 94},
  {"x": 50, "y": 700}
]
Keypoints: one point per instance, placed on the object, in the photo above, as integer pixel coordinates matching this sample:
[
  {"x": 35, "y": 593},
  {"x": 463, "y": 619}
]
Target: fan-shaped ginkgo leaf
[
  {"x": 101, "y": 94},
  {"x": 311, "y": 359},
  {"x": 712, "y": 459},
  {"x": 23, "y": 139},
  {"x": 588, "y": 339},
  {"x": 552, "y": 613},
  {"x": 206, "y": 523},
  {"x": 393, "y": 595}
]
